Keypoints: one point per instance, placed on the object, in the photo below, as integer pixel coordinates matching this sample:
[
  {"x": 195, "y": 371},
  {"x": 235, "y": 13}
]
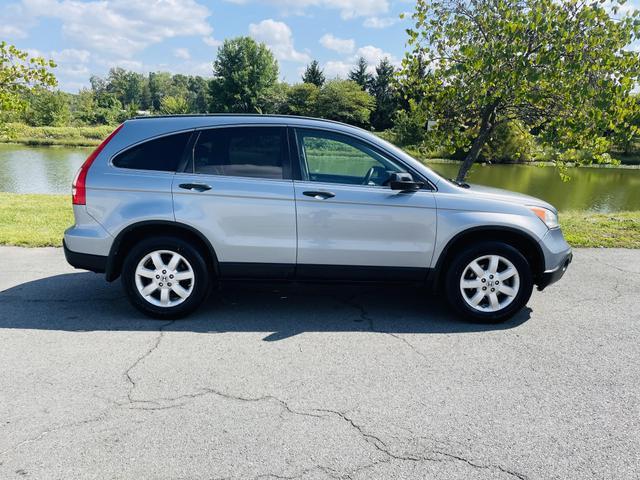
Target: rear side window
[
  {"x": 257, "y": 152},
  {"x": 162, "y": 154}
]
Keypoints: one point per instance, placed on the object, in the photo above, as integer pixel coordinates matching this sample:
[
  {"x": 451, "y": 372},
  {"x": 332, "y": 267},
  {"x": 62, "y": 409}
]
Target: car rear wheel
[
  {"x": 489, "y": 282},
  {"x": 165, "y": 277}
]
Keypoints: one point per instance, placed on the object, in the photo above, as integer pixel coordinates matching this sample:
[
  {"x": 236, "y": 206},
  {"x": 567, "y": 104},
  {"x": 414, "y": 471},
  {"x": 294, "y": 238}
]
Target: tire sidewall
[
  {"x": 191, "y": 254},
  {"x": 454, "y": 295}
]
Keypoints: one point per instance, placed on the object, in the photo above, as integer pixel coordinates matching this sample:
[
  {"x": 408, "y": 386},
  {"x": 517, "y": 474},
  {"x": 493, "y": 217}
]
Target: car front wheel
[
  {"x": 489, "y": 282},
  {"x": 165, "y": 277}
]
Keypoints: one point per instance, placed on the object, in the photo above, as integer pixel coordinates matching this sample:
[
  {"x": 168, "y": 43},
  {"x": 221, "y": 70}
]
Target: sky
[{"x": 87, "y": 37}]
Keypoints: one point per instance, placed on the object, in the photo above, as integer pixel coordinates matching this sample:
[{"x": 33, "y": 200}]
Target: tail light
[{"x": 79, "y": 187}]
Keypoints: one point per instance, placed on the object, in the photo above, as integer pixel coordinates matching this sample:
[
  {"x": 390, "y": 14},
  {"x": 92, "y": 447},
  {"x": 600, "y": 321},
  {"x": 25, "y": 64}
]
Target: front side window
[
  {"x": 334, "y": 158},
  {"x": 162, "y": 154},
  {"x": 257, "y": 152}
]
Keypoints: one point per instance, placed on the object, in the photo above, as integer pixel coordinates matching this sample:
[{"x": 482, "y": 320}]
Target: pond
[{"x": 51, "y": 169}]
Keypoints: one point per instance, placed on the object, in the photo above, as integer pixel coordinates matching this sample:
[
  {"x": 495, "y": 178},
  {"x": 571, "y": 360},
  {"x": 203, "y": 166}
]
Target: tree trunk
[{"x": 486, "y": 127}]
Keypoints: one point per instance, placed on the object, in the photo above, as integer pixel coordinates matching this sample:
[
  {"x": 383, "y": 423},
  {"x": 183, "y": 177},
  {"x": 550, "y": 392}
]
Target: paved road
[{"x": 317, "y": 382}]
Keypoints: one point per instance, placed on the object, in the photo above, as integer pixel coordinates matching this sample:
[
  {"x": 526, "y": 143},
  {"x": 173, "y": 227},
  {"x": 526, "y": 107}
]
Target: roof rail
[{"x": 187, "y": 115}]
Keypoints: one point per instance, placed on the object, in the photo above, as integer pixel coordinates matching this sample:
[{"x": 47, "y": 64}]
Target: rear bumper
[
  {"x": 552, "y": 276},
  {"x": 85, "y": 261}
]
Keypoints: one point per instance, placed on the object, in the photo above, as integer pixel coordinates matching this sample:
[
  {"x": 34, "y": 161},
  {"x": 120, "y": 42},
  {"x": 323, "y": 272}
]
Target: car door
[
  {"x": 237, "y": 190},
  {"x": 350, "y": 223}
]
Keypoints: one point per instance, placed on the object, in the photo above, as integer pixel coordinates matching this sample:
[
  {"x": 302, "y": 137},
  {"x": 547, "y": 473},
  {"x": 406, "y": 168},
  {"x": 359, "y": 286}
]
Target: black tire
[
  {"x": 464, "y": 258},
  {"x": 201, "y": 280}
]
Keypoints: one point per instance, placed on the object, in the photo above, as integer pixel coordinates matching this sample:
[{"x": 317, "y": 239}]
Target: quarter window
[
  {"x": 257, "y": 152},
  {"x": 162, "y": 154},
  {"x": 333, "y": 158}
]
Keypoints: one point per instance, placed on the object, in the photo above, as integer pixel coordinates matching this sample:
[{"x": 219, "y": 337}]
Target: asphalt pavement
[{"x": 317, "y": 381}]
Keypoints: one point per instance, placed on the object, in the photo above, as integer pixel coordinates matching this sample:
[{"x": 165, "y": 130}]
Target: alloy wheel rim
[
  {"x": 489, "y": 283},
  {"x": 164, "y": 278}
]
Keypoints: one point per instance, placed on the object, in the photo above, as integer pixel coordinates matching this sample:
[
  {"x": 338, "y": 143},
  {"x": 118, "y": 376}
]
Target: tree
[
  {"x": 360, "y": 74},
  {"x": 171, "y": 105},
  {"x": 244, "y": 73},
  {"x": 19, "y": 74},
  {"x": 384, "y": 95},
  {"x": 159, "y": 84},
  {"x": 314, "y": 74},
  {"x": 559, "y": 67},
  {"x": 302, "y": 99},
  {"x": 126, "y": 85},
  {"x": 345, "y": 101},
  {"x": 47, "y": 108}
]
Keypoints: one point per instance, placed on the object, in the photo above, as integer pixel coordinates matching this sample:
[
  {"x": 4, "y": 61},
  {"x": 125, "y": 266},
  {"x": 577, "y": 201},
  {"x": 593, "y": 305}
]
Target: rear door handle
[
  {"x": 198, "y": 187},
  {"x": 319, "y": 195}
]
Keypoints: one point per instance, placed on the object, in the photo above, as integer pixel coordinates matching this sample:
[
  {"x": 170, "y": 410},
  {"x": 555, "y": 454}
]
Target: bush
[
  {"x": 345, "y": 101},
  {"x": 510, "y": 143},
  {"x": 409, "y": 127}
]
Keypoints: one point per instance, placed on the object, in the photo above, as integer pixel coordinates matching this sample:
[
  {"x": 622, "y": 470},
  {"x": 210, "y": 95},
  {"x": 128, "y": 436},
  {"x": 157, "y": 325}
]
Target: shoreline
[{"x": 88, "y": 143}]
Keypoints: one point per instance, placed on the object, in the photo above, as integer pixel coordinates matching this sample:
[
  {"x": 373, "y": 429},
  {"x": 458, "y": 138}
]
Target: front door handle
[
  {"x": 198, "y": 187},
  {"x": 319, "y": 195}
]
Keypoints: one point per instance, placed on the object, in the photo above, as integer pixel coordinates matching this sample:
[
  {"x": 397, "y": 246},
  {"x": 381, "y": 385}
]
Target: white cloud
[
  {"x": 212, "y": 42},
  {"x": 373, "y": 55},
  {"x": 337, "y": 68},
  {"x": 12, "y": 31},
  {"x": 123, "y": 27},
  {"x": 336, "y": 44},
  {"x": 347, "y": 8},
  {"x": 182, "y": 53},
  {"x": 379, "y": 22},
  {"x": 278, "y": 37}
]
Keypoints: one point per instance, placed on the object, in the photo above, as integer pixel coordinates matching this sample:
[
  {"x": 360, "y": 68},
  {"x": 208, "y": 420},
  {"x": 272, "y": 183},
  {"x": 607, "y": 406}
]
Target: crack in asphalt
[
  {"x": 56, "y": 428},
  {"x": 365, "y": 316},
  {"x": 141, "y": 358}
]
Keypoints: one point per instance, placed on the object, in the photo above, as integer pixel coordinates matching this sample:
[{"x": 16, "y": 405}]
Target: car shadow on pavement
[{"x": 80, "y": 302}]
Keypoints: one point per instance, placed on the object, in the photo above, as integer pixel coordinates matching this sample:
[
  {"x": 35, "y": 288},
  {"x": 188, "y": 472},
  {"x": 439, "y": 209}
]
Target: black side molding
[{"x": 85, "y": 261}]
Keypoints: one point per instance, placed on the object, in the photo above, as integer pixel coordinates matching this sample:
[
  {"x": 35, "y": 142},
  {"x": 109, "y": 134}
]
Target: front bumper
[
  {"x": 85, "y": 261},
  {"x": 552, "y": 276}
]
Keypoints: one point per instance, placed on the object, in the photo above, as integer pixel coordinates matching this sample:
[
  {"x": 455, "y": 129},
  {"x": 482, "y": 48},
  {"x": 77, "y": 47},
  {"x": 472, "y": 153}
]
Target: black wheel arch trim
[
  {"x": 113, "y": 264},
  {"x": 438, "y": 269}
]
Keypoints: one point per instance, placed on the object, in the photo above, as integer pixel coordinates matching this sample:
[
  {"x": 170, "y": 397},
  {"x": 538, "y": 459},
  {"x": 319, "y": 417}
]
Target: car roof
[{"x": 205, "y": 120}]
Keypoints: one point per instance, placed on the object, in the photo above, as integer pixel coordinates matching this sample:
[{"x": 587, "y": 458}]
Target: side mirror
[{"x": 404, "y": 182}]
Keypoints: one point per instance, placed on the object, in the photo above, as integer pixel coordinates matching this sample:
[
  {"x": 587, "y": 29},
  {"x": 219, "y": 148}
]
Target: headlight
[{"x": 549, "y": 218}]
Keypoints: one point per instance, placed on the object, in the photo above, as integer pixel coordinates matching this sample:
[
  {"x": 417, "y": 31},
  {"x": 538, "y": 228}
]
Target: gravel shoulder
[{"x": 318, "y": 381}]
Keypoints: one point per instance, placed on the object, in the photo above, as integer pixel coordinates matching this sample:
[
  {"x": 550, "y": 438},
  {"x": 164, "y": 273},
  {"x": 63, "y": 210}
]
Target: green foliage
[
  {"x": 302, "y": 99},
  {"x": 19, "y": 73},
  {"x": 314, "y": 74},
  {"x": 345, "y": 101},
  {"x": 360, "y": 74},
  {"x": 70, "y": 136},
  {"x": 560, "y": 68},
  {"x": 171, "y": 105},
  {"x": 385, "y": 96},
  {"x": 244, "y": 73},
  {"x": 410, "y": 126},
  {"x": 509, "y": 142},
  {"x": 275, "y": 98},
  {"x": 46, "y": 108}
]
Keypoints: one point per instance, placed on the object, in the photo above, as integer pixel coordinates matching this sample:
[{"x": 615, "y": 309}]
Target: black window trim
[
  {"x": 150, "y": 139},
  {"x": 287, "y": 162},
  {"x": 429, "y": 185}
]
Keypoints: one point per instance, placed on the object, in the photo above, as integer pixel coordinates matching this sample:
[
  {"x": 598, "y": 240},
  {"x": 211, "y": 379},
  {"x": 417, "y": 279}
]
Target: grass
[
  {"x": 60, "y": 136},
  {"x": 29, "y": 220},
  {"x": 34, "y": 220},
  {"x": 585, "y": 229}
]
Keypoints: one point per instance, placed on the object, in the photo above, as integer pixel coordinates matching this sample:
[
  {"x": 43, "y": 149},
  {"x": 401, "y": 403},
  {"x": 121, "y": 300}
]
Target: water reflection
[
  {"x": 39, "y": 169},
  {"x": 598, "y": 189},
  {"x": 51, "y": 170}
]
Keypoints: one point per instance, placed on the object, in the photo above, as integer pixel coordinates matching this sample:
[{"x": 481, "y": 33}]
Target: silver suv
[{"x": 173, "y": 204}]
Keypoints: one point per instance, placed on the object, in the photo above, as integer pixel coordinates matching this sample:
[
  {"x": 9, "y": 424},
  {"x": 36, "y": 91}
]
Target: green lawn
[{"x": 40, "y": 220}]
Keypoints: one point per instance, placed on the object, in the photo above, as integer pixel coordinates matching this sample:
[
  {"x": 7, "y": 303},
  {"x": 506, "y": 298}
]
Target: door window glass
[
  {"x": 257, "y": 152},
  {"x": 334, "y": 158}
]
